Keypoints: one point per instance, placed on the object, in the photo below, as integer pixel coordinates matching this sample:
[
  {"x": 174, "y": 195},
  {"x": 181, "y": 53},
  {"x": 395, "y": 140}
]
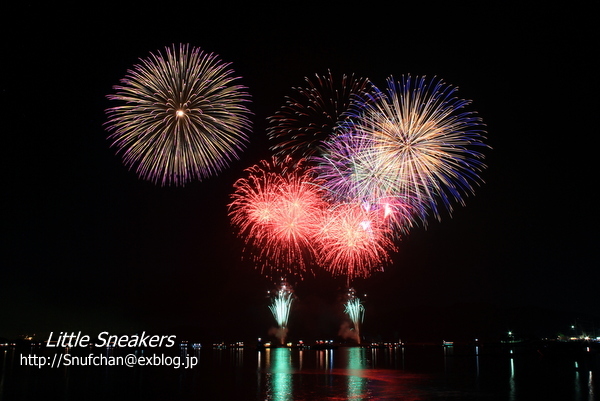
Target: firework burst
[
  {"x": 425, "y": 147},
  {"x": 352, "y": 172},
  {"x": 353, "y": 241},
  {"x": 278, "y": 211},
  {"x": 311, "y": 114},
  {"x": 180, "y": 116}
]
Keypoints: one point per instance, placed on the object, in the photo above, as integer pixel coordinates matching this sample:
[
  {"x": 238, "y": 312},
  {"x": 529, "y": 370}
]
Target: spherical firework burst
[
  {"x": 353, "y": 241},
  {"x": 278, "y": 210},
  {"x": 422, "y": 141},
  {"x": 352, "y": 172},
  {"x": 180, "y": 117},
  {"x": 311, "y": 114}
]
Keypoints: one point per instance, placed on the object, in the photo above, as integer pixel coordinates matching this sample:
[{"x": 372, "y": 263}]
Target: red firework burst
[
  {"x": 277, "y": 209},
  {"x": 354, "y": 241}
]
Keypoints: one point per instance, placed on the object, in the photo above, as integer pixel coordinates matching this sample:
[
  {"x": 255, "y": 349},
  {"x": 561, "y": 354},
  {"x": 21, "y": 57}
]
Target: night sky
[{"x": 88, "y": 246}]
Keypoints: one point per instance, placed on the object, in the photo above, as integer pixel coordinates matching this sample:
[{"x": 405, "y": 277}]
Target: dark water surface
[{"x": 413, "y": 372}]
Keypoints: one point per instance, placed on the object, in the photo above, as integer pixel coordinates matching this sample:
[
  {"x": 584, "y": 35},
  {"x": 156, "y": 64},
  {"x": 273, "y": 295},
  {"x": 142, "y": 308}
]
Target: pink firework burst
[
  {"x": 354, "y": 241},
  {"x": 277, "y": 209}
]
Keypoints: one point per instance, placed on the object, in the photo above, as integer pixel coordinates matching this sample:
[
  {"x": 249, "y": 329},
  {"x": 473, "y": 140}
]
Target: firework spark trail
[
  {"x": 311, "y": 114},
  {"x": 424, "y": 144},
  {"x": 355, "y": 310},
  {"x": 180, "y": 116},
  {"x": 280, "y": 308},
  {"x": 277, "y": 209}
]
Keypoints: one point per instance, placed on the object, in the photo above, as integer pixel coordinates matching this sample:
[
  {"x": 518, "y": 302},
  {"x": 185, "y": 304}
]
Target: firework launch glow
[
  {"x": 180, "y": 116},
  {"x": 355, "y": 311},
  {"x": 380, "y": 163},
  {"x": 281, "y": 304}
]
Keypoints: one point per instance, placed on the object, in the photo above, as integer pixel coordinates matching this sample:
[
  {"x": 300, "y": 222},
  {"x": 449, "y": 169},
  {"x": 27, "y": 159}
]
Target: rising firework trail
[
  {"x": 281, "y": 302},
  {"x": 355, "y": 311},
  {"x": 382, "y": 161},
  {"x": 180, "y": 116}
]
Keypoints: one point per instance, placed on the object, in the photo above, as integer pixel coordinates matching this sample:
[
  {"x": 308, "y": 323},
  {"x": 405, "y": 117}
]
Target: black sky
[{"x": 87, "y": 246}]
